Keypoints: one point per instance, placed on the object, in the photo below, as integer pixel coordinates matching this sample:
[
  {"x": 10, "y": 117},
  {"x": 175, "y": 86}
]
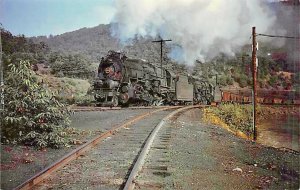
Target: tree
[
  {"x": 70, "y": 65},
  {"x": 222, "y": 80},
  {"x": 273, "y": 80},
  {"x": 32, "y": 115}
]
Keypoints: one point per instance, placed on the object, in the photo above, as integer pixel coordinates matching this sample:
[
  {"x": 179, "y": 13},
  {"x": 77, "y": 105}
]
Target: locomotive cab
[{"x": 184, "y": 89}]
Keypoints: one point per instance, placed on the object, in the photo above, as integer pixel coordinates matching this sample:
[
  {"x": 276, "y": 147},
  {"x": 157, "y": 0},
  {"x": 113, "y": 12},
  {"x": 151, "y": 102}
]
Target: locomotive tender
[{"x": 122, "y": 80}]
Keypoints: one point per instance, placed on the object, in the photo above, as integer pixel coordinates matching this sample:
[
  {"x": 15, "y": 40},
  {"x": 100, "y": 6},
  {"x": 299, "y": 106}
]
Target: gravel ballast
[
  {"x": 190, "y": 154},
  {"x": 19, "y": 163},
  {"x": 204, "y": 156}
]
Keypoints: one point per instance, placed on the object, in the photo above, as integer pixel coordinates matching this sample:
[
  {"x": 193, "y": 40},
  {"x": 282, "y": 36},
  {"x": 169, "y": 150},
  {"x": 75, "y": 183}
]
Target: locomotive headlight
[
  {"x": 124, "y": 88},
  {"x": 98, "y": 83}
]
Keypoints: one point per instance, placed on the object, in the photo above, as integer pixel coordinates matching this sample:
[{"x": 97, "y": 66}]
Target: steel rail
[
  {"x": 90, "y": 108},
  {"x": 87, "y": 108},
  {"x": 130, "y": 183},
  {"x": 37, "y": 178}
]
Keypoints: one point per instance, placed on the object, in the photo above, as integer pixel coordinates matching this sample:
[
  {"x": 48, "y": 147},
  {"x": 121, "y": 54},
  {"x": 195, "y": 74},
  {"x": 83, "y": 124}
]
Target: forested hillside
[
  {"x": 97, "y": 41},
  {"x": 275, "y": 70}
]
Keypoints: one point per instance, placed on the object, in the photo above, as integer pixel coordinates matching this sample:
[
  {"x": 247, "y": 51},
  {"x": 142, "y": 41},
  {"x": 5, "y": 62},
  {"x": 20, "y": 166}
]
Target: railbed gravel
[
  {"x": 197, "y": 156},
  {"x": 106, "y": 165},
  {"x": 205, "y": 156},
  {"x": 18, "y": 163}
]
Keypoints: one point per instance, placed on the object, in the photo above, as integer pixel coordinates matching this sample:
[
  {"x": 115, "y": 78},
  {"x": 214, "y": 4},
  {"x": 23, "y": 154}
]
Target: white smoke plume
[{"x": 201, "y": 28}]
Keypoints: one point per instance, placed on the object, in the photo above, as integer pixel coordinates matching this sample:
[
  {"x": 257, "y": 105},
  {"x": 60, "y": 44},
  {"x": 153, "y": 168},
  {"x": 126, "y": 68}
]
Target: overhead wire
[{"x": 276, "y": 36}]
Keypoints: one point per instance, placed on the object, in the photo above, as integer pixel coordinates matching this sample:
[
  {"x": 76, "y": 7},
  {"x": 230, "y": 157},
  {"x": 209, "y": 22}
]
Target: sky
[{"x": 45, "y": 17}]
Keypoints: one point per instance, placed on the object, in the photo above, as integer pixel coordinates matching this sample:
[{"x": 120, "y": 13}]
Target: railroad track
[
  {"x": 124, "y": 147},
  {"x": 91, "y": 108},
  {"x": 133, "y": 155},
  {"x": 150, "y": 165}
]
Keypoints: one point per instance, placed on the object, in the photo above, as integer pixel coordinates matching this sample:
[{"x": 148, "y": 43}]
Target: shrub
[
  {"x": 86, "y": 100},
  {"x": 222, "y": 80},
  {"x": 71, "y": 66},
  {"x": 242, "y": 80},
  {"x": 229, "y": 80},
  {"x": 32, "y": 115},
  {"x": 273, "y": 80},
  {"x": 238, "y": 117}
]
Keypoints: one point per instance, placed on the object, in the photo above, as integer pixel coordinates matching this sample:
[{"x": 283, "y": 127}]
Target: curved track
[
  {"x": 91, "y": 108},
  {"x": 35, "y": 181},
  {"x": 159, "y": 144}
]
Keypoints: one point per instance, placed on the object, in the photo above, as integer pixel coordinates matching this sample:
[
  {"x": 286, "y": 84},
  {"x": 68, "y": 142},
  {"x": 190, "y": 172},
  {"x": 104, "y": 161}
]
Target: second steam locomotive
[{"x": 123, "y": 81}]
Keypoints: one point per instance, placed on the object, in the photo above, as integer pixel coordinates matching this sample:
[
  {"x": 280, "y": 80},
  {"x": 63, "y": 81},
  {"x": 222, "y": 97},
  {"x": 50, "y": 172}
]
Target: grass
[
  {"x": 70, "y": 90},
  {"x": 237, "y": 117}
]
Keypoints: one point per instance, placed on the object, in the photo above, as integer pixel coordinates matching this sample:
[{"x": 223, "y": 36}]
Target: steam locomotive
[{"x": 122, "y": 81}]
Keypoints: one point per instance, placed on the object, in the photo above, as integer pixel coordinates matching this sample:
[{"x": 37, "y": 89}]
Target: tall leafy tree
[{"x": 32, "y": 114}]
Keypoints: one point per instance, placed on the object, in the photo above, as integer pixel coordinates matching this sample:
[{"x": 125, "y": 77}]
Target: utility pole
[
  {"x": 161, "y": 52},
  {"x": 254, "y": 72},
  {"x": 1, "y": 76},
  {"x": 217, "y": 82}
]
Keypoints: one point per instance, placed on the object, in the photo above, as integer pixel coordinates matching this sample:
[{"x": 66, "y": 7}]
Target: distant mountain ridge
[{"x": 95, "y": 42}]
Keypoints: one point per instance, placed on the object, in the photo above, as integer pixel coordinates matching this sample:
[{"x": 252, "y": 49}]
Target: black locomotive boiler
[{"x": 122, "y": 80}]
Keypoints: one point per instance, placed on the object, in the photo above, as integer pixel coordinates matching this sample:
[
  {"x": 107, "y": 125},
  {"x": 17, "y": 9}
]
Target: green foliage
[
  {"x": 16, "y": 57},
  {"x": 273, "y": 80},
  {"x": 278, "y": 65},
  {"x": 17, "y": 48},
  {"x": 243, "y": 80},
  {"x": 86, "y": 100},
  {"x": 264, "y": 67},
  {"x": 32, "y": 115},
  {"x": 225, "y": 80},
  {"x": 79, "y": 100},
  {"x": 241, "y": 71},
  {"x": 262, "y": 83},
  {"x": 222, "y": 80},
  {"x": 70, "y": 66},
  {"x": 238, "y": 117},
  {"x": 229, "y": 81}
]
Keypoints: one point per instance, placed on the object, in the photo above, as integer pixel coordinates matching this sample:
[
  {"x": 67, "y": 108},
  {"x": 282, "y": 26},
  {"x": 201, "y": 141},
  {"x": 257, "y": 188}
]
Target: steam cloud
[{"x": 201, "y": 29}]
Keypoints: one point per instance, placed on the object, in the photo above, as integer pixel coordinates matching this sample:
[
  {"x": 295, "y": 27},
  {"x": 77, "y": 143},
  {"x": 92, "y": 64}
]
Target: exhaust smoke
[{"x": 200, "y": 29}]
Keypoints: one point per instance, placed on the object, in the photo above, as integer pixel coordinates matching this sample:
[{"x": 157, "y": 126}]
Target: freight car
[
  {"x": 273, "y": 97},
  {"x": 122, "y": 80}
]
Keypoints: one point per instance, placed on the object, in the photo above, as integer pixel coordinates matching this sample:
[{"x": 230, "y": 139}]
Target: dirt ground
[
  {"x": 200, "y": 156},
  {"x": 204, "y": 156}
]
